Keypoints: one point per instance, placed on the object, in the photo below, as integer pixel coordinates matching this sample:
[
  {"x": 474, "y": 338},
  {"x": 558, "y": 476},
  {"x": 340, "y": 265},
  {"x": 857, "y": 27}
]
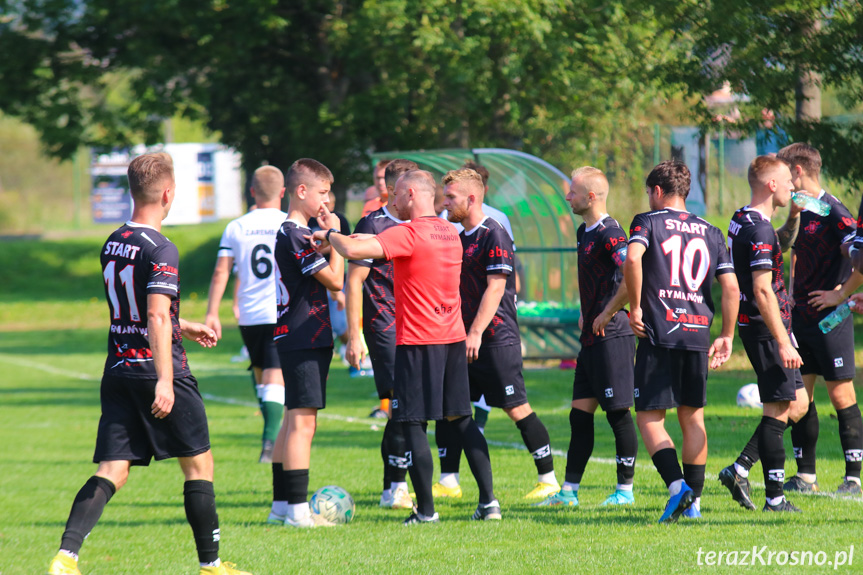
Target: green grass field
[{"x": 52, "y": 346}]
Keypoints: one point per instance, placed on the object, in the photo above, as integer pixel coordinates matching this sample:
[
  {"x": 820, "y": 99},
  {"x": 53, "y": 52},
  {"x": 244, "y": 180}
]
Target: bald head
[
  {"x": 593, "y": 180},
  {"x": 414, "y": 194}
]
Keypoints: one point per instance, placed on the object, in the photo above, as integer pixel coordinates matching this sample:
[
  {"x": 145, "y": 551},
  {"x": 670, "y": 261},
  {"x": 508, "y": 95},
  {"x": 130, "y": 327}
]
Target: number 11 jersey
[{"x": 684, "y": 255}]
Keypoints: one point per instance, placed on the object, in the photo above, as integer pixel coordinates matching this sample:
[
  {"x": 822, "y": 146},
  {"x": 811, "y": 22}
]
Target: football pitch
[{"x": 51, "y": 355}]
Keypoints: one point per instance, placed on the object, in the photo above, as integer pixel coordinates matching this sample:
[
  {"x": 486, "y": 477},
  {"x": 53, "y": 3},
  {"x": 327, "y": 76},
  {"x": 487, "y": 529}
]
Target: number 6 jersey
[
  {"x": 684, "y": 255},
  {"x": 138, "y": 261},
  {"x": 251, "y": 241}
]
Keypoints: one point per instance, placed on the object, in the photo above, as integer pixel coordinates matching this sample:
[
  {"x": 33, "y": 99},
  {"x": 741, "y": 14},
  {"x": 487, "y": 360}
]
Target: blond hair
[
  {"x": 762, "y": 169},
  {"x": 593, "y": 179},
  {"x": 463, "y": 175},
  {"x": 267, "y": 182}
]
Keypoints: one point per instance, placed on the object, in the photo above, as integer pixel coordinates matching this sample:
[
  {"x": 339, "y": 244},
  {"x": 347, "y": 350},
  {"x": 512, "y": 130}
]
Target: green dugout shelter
[{"x": 531, "y": 192}]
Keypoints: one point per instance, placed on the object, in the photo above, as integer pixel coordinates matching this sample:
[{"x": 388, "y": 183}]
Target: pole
[
  {"x": 76, "y": 187},
  {"x": 721, "y": 163},
  {"x": 656, "y": 140}
]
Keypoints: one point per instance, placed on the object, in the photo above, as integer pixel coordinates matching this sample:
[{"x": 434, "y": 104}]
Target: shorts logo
[
  {"x": 838, "y": 362},
  {"x": 635, "y": 392},
  {"x": 854, "y": 455},
  {"x": 395, "y": 403},
  {"x": 441, "y": 452},
  {"x": 798, "y": 453},
  {"x": 510, "y": 390},
  {"x": 216, "y": 535},
  {"x": 399, "y": 462},
  {"x": 542, "y": 452},
  {"x": 776, "y": 475},
  {"x": 609, "y": 392},
  {"x": 625, "y": 461},
  {"x": 409, "y": 458}
]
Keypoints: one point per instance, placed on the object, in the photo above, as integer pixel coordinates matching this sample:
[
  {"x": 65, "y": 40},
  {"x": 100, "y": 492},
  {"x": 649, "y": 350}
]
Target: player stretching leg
[
  {"x": 673, "y": 259},
  {"x": 379, "y": 327},
  {"x": 303, "y": 335},
  {"x": 493, "y": 342},
  {"x": 151, "y": 406},
  {"x": 604, "y": 372}
]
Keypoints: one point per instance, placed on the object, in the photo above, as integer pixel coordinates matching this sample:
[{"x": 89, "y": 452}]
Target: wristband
[{"x": 331, "y": 230}]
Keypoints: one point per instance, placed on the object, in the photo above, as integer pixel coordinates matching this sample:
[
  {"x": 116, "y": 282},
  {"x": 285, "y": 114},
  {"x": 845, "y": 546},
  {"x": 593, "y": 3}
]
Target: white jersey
[
  {"x": 251, "y": 240},
  {"x": 491, "y": 212}
]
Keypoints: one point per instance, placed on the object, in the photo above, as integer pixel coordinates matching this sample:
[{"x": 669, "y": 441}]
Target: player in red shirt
[{"x": 431, "y": 381}]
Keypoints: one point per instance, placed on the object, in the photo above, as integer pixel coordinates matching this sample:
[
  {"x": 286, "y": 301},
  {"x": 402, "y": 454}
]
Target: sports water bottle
[
  {"x": 836, "y": 317},
  {"x": 814, "y": 205}
]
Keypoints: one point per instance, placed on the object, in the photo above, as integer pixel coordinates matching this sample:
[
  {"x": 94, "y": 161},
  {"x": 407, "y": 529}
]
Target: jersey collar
[
  {"x": 392, "y": 217},
  {"x": 299, "y": 224},
  {"x": 132, "y": 224},
  {"x": 762, "y": 214},
  {"x": 478, "y": 226},
  {"x": 599, "y": 221}
]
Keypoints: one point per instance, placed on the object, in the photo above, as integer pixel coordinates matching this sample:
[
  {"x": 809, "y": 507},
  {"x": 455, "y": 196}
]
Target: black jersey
[
  {"x": 379, "y": 303},
  {"x": 138, "y": 261},
  {"x": 302, "y": 310},
  {"x": 858, "y": 238},
  {"x": 488, "y": 251},
  {"x": 819, "y": 263},
  {"x": 755, "y": 246},
  {"x": 684, "y": 255},
  {"x": 601, "y": 253}
]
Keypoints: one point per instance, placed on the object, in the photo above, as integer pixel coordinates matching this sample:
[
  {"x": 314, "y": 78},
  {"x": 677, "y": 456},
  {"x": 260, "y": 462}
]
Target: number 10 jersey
[{"x": 684, "y": 255}]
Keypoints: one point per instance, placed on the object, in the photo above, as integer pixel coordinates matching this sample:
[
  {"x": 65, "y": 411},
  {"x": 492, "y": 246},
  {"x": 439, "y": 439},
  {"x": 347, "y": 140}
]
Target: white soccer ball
[
  {"x": 333, "y": 504},
  {"x": 748, "y": 396}
]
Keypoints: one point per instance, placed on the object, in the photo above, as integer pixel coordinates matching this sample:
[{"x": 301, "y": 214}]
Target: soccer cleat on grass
[
  {"x": 267, "y": 451},
  {"x": 693, "y": 512},
  {"x": 402, "y": 499},
  {"x": 737, "y": 485},
  {"x": 487, "y": 512},
  {"x": 799, "y": 485},
  {"x": 378, "y": 413},
  {"x": 63, "y": 564},
  {"x": 566, "y": 497},
  {"x": 784, "y": 506},
  {"x": 849, "y": 488},
  {"x": 307, "y": 521},
  {"x": 415, "y": 519},
  {"x": 223, "y": 569},
  {"x": 274, "y": 519},
  {"x": 620, "y": 497},
  {"x": 677, "y": 504},
  {"x": 440, "y": 490},
  {"x": 542, "y": 490}
]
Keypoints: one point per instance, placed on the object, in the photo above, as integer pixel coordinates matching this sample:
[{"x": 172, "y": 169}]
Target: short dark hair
[
  {"x": 146, "y": 174},
  {"x": 381, "y": 164},
  {"x": 306, "y": 171},
  {"x": 803, "y": 155},
  {"x": 396, "y": 168},
  {"x": 479, "y": 169},
  {"x": 672, "y": 177}
]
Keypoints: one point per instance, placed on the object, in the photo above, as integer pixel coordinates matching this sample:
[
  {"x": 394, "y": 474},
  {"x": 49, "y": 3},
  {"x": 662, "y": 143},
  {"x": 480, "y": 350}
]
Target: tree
[
  {"x": 779, "y": 55},
  {"x": 334, "y": 79}
]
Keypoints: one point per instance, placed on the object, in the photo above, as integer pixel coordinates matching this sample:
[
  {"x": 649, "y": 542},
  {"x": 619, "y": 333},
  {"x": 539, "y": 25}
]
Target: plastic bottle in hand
[
  {"x": 814, "y": 205},
  {"x": 836, "y": 317}
]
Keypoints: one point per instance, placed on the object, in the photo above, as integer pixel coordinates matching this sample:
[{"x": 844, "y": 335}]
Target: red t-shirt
[{"x": 426, "y": 254}]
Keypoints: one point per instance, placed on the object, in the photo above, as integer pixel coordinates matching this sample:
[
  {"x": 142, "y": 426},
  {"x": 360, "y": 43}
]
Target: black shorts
[
  {"x": 828, "y": 354},
  {"x": 497, "y": 375},
  {"x": 382, "y": 352},
  {"x": 128, "y": 431},
  {"x": 262, "y": 348},
  {"x": 666, "y": 378},
  {"x": 431, "y": 382},
  {"x": 605, "y": 372},
  {"x": 305, "y": 372},
  {"x": 775, "y": 381}
]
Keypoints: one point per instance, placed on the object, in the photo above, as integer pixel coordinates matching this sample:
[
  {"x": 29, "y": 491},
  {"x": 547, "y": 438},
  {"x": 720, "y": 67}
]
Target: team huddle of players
[{"x": 438, "y": 312}]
